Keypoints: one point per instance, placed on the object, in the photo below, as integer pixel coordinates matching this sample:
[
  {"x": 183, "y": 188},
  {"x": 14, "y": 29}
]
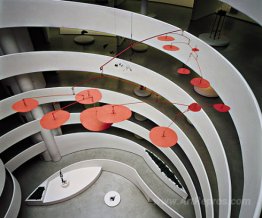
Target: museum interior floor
[{"x": 244, "y": 51}]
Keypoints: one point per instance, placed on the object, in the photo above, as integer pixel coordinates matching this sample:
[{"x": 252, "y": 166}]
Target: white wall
[
  {"x": 71, "y": 143},
  {"x": 15, "y": 203},
  {"x": 130, "y": 174},
  {"x": 225, "y": 79},
  {"x": 2, "y": 176},
  {"x": 52, "y": 61},
  {"x": 24, "y": 156},
  {"x": 251, "y": 8},
  {"x": 143, "y": 109},
  {"x": 134, "y": 148},
  {"x": 18, "y": 134}
]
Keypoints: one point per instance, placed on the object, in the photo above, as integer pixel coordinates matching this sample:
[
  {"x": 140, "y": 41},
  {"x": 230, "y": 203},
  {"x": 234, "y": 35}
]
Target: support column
[
  {"x": 144, "y": 6},
  {"x": 144, "y": 9},
  {"x": 24, "y": 43},
  {"x": 9, "y": 45}
]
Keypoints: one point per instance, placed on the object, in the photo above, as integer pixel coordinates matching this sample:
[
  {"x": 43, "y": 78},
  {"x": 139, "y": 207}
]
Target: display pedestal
[
  {"x": 141, "y": 92},
  {"x": 53, "y": 191},
  {"x": 65, "y": 184},
  {"x": 222, "y": 41},
  {"x": 215, "y": 38},
  {"x": 84, "y": 40},
  {"x": 140, "y": 47},
  {"x": 206, "y": 92},
  {"x": 139, "y": 117}
]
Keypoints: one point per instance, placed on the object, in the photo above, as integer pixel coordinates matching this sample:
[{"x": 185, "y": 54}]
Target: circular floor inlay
[{"x": 112, "y": 198}]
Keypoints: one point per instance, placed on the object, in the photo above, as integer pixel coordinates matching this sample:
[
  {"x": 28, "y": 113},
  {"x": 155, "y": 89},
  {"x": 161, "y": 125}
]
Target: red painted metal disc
[
  {"x": 89, "y": 120},
  {"x": 170, "y": 48},
  {"x": 221, "y": 107},
  {"x": 165, "y": 38},
  {"x": 54, "y": 119},
  {"x": 163, "y": 136},
  {"x": 89, "y": 96},
  {"x": 195, "y": 107},
  {"x": 183, "y": 70},
  {"x": 195, "y": 49},
  {"x": 113, "y": 113},
  {"x": 200, "y": 82},
  {"x": 25, "y": 105}
]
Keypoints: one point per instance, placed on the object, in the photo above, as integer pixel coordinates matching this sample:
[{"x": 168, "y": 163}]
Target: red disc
[
  {"x": 54, "y": 119},
  {"x": 195, "y": 107},
  {"x": 89, "y": 96},
  {"x": 165, "y": 38},
  {"x": 113, "y": 113},
  {"x": 163, "y": 136},
  {"x": 221, "y": 107},
  {"x": 89, "y": 120},
  {"x": 170, "y": 48},
  {"x": 200, "y": 82},
  {"x": 25, "y": 105},
  {"x": 183, "y": 70},
  {"x": 195, "y": 49}
]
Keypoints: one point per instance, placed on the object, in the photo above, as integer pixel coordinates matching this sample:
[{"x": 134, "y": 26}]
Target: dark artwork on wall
[
  {"x": 37, "y": 195},
  {"x": 164, "y": 168}
]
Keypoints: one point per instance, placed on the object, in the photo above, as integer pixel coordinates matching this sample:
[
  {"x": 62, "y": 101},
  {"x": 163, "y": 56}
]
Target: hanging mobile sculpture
[
  {"x": 25, "y": 105},
  {"x": 102, "y": 118},
  {"x": 90, "y": 120}
]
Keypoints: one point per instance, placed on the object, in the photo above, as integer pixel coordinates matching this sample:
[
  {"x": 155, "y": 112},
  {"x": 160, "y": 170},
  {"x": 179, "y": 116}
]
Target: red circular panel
[
  {"x": 113, "y": 113},
  {"x": 195, "y": 49},
  {"x": 183, "y": 70},
  {"x": 165, "y": 38},
  {"x": 170, "y": 48},
  {"x": 89, "y": 120},
  {"x": 195, "y": 107},
  {"x": 54, "y": 119},
  {"x": 200, "y": 82},
  {"x": 25, "y": 105},
  {"x": 221, "y": 107},
  {"x": 163, "y": 136},
  {"x": 89, "y": 96}
]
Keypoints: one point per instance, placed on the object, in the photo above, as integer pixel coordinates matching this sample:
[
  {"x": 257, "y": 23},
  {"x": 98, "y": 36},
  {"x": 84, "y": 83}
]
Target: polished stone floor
[{"x": 91, "y": 202}]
